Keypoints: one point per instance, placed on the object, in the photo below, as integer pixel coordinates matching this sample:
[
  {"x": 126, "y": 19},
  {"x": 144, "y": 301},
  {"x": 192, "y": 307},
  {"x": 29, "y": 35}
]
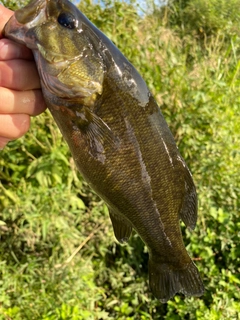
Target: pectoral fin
[
  {"x": 122, "y": 228},
  {"x": 98, "y": 133}
]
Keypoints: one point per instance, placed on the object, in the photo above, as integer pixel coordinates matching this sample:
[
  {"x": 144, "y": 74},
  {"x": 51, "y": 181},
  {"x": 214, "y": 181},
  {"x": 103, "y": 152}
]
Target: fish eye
[{"x": 67, "y": 20}]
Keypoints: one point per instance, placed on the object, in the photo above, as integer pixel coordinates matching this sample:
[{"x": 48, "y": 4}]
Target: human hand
[{"x": 20, "y": 91}]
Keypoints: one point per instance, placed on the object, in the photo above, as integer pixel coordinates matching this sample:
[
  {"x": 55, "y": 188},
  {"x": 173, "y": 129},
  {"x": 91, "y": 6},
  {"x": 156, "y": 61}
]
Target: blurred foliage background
[{"x": 59, "y": 258}]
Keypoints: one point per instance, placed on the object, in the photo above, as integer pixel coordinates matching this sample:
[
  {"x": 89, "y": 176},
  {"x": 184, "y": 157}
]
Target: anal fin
[{"x": 122, "y": 228}]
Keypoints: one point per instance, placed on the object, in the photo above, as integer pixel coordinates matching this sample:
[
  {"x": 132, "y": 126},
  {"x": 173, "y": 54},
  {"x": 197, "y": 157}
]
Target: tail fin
[{"x": 166, "y": 282}]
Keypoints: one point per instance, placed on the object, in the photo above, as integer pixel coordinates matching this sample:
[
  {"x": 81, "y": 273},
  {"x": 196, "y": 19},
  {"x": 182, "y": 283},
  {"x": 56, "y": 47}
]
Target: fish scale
[{"x": 117, "y": 135}]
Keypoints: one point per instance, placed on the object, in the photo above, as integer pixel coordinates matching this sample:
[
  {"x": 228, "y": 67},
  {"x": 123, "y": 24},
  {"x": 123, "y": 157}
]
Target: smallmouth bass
[{"x": 117, "y": 135}]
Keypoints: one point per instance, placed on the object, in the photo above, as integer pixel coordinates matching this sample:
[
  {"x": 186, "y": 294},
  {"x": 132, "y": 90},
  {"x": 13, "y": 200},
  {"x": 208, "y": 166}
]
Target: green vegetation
[{"x": 59, "y": 258}]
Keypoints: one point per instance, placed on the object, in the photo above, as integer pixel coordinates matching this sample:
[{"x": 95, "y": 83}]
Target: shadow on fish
[{"x": 117, "y": 135}]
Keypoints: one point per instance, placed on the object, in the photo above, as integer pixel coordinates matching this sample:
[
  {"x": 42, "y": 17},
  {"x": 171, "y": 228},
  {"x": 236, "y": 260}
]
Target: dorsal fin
[{"x": 188, "y": 212}]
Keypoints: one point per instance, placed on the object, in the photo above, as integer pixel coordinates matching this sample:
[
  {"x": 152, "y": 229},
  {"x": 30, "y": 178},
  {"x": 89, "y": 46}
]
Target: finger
[
  {"x": 11, "y": 50},
  {"x": 28, "y": 102},
  {"x": 19, "y": 75},
  {"x": 13, "y": 126},
  {"x": 5, "y": 15},
  {"x": 3, "y": 142}
]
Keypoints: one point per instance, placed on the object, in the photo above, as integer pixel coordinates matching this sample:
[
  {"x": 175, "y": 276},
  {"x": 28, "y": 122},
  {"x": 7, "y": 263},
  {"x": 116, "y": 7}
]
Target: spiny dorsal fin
[{"x": 122, "y": 228}]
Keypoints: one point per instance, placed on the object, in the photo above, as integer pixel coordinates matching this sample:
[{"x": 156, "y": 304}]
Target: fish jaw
[
  {"x": 68, "y": 70},
  {"x": 24, "y": 19},
  {"x": 19, "y": 29}
]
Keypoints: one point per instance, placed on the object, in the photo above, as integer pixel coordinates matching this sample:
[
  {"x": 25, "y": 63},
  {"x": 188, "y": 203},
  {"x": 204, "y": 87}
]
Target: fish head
[
  {"x": 66, "y": 50},
  {"x": 72, "y": 55}
]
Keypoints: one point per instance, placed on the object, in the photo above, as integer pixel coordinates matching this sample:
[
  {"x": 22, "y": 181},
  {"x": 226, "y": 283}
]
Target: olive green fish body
[{"x": 117, "y": 135}]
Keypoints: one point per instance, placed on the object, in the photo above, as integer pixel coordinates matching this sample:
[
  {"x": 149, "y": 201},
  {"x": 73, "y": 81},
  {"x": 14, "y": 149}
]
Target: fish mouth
[
  {"x": 32, "y": 13},
  {"x": 17, "y": 27},
  {"x": 52, "y": 57}
]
